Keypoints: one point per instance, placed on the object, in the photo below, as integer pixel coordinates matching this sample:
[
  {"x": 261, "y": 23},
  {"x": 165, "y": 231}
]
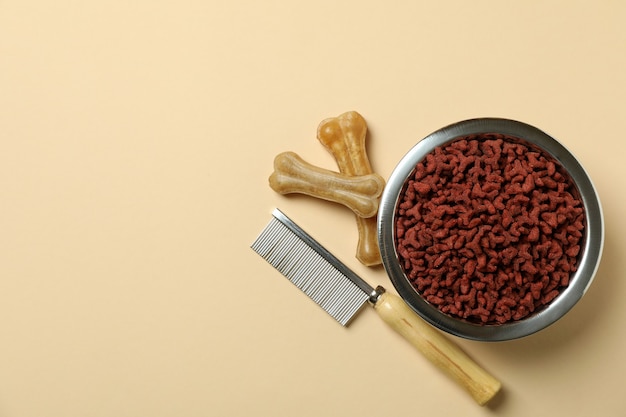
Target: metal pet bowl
[{"x": 589, "y": 256}]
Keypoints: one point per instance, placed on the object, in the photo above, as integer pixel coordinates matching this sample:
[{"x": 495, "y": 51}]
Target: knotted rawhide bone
[
  {"x": 344, "y": 136},
  {"x": 294, "y": 175}
]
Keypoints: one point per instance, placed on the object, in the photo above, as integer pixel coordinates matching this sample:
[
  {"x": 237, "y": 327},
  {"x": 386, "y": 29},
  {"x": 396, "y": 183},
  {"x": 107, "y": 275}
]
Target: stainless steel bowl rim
[{"x": 579, "y": 282}]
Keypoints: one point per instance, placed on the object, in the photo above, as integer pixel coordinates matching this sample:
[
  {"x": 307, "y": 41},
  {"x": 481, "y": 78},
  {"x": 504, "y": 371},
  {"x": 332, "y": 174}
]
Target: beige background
[{"x": 136, "y": 141}]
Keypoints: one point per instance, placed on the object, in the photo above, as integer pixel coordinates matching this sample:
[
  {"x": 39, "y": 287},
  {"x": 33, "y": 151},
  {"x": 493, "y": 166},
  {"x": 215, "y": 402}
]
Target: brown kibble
[
  {"x": 533, "y": 236},
  {"x": 421, "y": 187},
  {"x": 529, "y": 184},
  {"x": 573, "y": 251},
  {"x": 497, "y": 228}
]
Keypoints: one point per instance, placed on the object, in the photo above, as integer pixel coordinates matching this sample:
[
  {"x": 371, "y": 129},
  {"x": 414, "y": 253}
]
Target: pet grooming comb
[{"x": 342, "y": 293}]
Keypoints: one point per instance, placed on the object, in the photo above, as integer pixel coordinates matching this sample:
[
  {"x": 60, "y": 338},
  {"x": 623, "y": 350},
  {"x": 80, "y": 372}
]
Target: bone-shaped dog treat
[
  {"x": 294, "y": 175},
  {"x": 344, "y": 137}
]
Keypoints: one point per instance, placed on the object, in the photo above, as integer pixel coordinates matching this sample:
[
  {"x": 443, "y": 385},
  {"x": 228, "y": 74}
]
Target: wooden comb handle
[{"x": 437, "y": 348}]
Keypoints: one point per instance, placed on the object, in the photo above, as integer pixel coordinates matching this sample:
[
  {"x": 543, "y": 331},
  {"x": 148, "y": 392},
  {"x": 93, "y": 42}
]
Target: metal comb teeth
[{"x": 312, "y": 268}]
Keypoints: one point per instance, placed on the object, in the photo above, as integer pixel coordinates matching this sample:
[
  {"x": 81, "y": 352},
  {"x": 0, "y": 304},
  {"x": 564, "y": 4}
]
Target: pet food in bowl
[{"x": 490, "y": 229}]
